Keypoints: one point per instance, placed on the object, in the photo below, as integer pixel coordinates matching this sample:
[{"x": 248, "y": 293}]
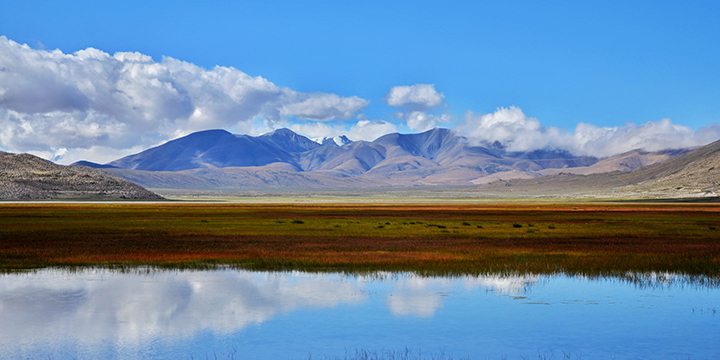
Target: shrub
[
  {"x": 517, "y": 225},
  {"x": 298, "y": 222}
]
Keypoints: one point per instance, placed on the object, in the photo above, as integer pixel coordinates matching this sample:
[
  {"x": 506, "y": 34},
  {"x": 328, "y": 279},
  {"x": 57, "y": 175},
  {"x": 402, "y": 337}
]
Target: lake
[{"x": 235, "y": 314}]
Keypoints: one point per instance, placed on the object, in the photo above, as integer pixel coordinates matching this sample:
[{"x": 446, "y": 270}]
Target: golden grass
[{"x": 442, "y": 238}]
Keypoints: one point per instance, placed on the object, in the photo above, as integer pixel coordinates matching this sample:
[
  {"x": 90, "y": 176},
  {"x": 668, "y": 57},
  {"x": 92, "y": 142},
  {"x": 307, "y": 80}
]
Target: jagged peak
[
  {"x": 281, "y": 131},
  {"x": 334, "y": 141}
]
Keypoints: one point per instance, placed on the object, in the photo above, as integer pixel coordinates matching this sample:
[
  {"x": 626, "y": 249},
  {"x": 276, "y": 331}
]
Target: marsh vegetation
[{"x": 431, "y": 238}]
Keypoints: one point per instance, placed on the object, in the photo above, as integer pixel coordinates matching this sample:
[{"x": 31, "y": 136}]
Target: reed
[{"x": 433, "y": 238}]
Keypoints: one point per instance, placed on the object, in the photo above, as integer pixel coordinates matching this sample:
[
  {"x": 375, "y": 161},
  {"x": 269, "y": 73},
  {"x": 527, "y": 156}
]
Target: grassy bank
[{"x": 431, "y": 238}]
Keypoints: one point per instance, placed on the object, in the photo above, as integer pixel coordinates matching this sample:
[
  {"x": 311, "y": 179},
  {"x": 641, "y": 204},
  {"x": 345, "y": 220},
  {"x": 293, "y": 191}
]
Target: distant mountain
[
  {"x": 686, "y": 173},
  {"x": 217, "y": 159},
  {"x": 217, "y": 148},
  {"x": 25, "y": 176},
  {"x": 337, "y": 140},
  {"x": 622, "y": 162},
  {"x": 94, "y": 165}
]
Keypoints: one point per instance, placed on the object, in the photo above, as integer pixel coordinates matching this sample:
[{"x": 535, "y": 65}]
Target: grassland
[{"x": 426, "y": 238}]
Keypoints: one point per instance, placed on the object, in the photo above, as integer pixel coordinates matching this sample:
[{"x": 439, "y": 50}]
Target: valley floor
[{"x": 431, "y": 238}]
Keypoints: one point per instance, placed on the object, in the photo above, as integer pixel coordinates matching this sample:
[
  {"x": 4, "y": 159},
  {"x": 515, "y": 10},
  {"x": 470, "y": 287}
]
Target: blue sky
[{"x": 605, "y": 63}]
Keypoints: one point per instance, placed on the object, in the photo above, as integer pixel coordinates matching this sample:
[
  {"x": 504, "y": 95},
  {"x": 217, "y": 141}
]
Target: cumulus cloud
[
  {"x": 418, "y": 97},
  {"x": 370, "y": 129},
  {"x": 518, "y": 132},
  {"x": 422, "y": 121},
  {"x": 367, "y": 130},
  {"x": 98, "y": 154},
  {"x": 51, "y": 100},
  {"x": 317, "y": 130},
  {"x": 97, "y": 106},
  {"x": 324, "y": 107}
]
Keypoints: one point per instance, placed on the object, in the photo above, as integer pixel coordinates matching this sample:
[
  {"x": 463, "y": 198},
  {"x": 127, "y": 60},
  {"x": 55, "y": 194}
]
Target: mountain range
[
  {"x": 283, "y": 159},
  {"x": 692, "y": 174}
]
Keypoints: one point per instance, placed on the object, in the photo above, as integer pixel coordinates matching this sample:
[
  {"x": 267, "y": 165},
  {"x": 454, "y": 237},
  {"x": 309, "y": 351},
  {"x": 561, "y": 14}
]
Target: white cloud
[
  {"x": 367, "y": 130},
  {"x": 317, "y": 130},
  {"x": 51, "y": 100},
  {"x": 651, "y": 136},
  {"x": 518, "y": 132},
  {"x": 418, "y": 97},
  {"x": 324, "y": 107},
  {"x": 93, "y": 105},
  {"x": 370, "y": 130},
  {"x": 422, "y": 121},
  {"x": 98, "y": 154},
  {"x": 512, "y": 128}
]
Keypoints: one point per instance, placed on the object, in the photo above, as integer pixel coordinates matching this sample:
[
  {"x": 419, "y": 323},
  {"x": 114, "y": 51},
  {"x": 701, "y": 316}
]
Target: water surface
[{"x": 102, "y": 314}]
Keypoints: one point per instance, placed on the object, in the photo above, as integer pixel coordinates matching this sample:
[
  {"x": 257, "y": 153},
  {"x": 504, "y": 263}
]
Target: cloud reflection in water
[
  {"x": 101, "y": 306},
  {"x": 98, "y": 305}
]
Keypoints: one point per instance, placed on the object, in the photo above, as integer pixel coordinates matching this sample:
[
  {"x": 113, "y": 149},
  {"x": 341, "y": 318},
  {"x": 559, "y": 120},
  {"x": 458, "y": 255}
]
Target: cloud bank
[
  {"x": 367, "y": 130},
  {"x": 50, "y": 100},
  {"x": 518, "y": 132},
  {"x": 97, "y": 106}
]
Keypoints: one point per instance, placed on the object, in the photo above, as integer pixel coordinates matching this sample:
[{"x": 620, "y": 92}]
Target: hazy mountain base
[
  {"x": 282, "y": 177},
  {"x": 692, "y": 175},
  {"x": 427, "y": 195},
  {"x": 28, "y": 177},
  {"x": 695, "y": 174}
]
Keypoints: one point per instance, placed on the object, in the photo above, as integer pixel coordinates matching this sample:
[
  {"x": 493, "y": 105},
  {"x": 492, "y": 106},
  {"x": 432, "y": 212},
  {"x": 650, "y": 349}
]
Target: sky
[{"x": 99, "y": 80}]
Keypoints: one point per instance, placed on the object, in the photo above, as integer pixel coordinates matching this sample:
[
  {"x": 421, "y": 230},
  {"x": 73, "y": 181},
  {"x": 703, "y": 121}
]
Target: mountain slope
[
  {"x": 696, "y": 171},
  {"x": 693, "y": 173},
  {"x": 213, "y": 148},
  {"x": 24, "y": 176}
]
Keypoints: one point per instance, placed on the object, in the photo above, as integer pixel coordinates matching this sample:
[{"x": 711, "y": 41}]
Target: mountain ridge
[{"x": 217, "y": 159}]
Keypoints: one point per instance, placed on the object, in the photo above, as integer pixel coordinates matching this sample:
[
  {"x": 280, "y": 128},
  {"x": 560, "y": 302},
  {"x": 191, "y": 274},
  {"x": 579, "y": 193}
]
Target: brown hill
[{"x": 24, "y": 176}]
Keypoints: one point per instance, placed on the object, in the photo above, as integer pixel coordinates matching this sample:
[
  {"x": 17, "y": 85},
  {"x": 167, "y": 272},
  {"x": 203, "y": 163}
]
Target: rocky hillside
[{"x": 27, "y": 177}]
